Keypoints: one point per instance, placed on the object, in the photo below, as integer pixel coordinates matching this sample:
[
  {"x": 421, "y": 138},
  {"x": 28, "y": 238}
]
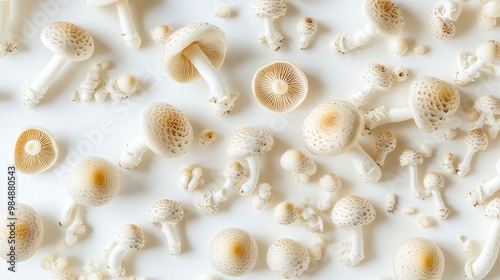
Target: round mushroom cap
[
  {"x": 130, "y": 237},
  {"x": 99, "y": 3},
  {"x": 68, "y": 40},
  {"x": 62, "y": 275},
  {"x": 476, "y": 139},
  {"x": 249, "y": 142},
  {"x": 410, "y": 157},
  {"x": 35, "y": 150},
  {"x": 307, "y": 26},
  {"x": 385, "y": 142},
  {"x": 234, "y": 171},
  {"x": 330, "y": 182},
  {"x": 433, "y": 180},
  {"x": 332, "y": 128},
  {"x": 28, "y": 232},
  {"x": 493, "y": 209},
  {"x": 166, "y": 210},
  {"x": 268, "y": 8},
  {"x": 488, "y": 104},
  {"x": 285, "y": 213},
  {"x": 353, "y": 210},
  {"x": 489, "y": 52},
  {"x": 432, "y": 102},
  {"x": 166, "y": 130},
  {"x": 418, "y": 258},
  {"x": 384, "y": 15},
  {"x": 280, "y": 86},
  {"x": 288, "y": 258},
  {"x": 208, "y": 37},
  {"x": 294, "y": 161},
  {"x": 93, "y": 182},
  {"x": 233, "y": 252},
  {"x": 378, "y": 76}
]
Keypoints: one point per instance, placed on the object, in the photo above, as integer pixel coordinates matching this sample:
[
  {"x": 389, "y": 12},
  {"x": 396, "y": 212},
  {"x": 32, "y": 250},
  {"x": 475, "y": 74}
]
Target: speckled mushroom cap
[
  {"x": 234, "y": 171},
  {"x": 378, "y": 76},
  {"x": 233, "y": 252},
  {"x": 208, "y": 37},
  {"x": 285, "y": 213},
  {"x": 100, "y": 2},
  {"x": 489, "y": 52},
  {"x": 68, "y": 40},
  {"x": 294, "y": 161},
  {"x": 353, "y": 210},
  {"x": 488, "y": 104},
  {"x": 307, "y": 26},
  {"x": 288, "y": 258},
  {"x": 332, "y": 128},
  {"x": 433, "y": 180},
  {"x": 268, "y": 8},
  {"x": 35, "y": 150},
  {"x": 330, "y": 182},
  {"x": 93, "y": 182},
  {"x": 62, "y": 275},
  {"x": 166, "y": 130},
  {"x": 492, "y": 210},
  {"x": 384, "y": 15},
  {"x": 432, "y": 102},
  {"x": 166, "y": 210},
  {"x": 476, "y": 139},
  {"x": 249, "y": 142},
  {"x": 410, "y": 156},
  {"x": 130, "y": 237},
  {"x": 418, "y": 258},
  {"x": 28, "y": 232},
  {"x": 385, "y": 142}
]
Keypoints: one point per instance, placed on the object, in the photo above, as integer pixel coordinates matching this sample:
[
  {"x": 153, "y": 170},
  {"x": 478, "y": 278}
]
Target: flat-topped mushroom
[
  {"x": 129, "y": 238},
  {"x": 475, "y": 141},
  {"x": 418, "y": 258},
  {"x": 412, "y": 158},
  {"x": 6, "y": 44},
  {"x": 168, "y": 213},
  {"x": 384, "y": 144},
  {"x": 489, "y": 14},
  {"x": 479, "y": 192},
  {"x": 35, "y": 150},
  {"x": 269, "y": 10},
  {"x": 330, "y": 184},
  {"x": 306, "y": 28},
  {"x": 434, "y": 181},
  {"x": 441, "y": 20},
  {"x": 486, "y": 59},
  {"x": 299, "y": 166}
]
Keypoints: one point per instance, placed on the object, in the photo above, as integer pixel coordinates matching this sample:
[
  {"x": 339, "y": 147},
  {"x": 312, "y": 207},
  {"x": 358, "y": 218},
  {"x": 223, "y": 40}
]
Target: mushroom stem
[
  {"x": 273, "y": 38},
  {"x": 326, "y": 201},
  {"x": 478, "y": 193},
  {"x": 365, "y": 166},
  {"x": 477, "y": 269},
  {"x": 380, "y": 158},
  {"x": 223, "y": 193},
  {"x": 4, "y": 27},
  {"x": 467, "y": 75},
  {"x": 133, "y": 152},
  {"x": 345, "y": 43},
  {"x": 174, "y": 244},
  {"x": 358, "y": 96},
  {"x": 76, "y": 228},
  {"x": 115, "y": 261},
  {"x": 304, "y": 40},
  {"x": 440, "y": 207},
  {"x": 67, "y": 215},
  {"x": 356, "y": 253},
  {"x": 479, "y": 122},
  {"x": 464, "y": 166},
  {"x": 397, "y": 115},
  {"x": 416, "y": 190},
  {"x": 253, "y": 176},
  {"x": 130, "y": 35}
]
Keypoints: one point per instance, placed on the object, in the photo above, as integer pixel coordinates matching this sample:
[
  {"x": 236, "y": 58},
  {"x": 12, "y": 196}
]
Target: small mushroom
[
  {"x": 269, "y": 10},
  {"x": 306, "y": 28},
  {"x": 479, "y": 192},
  {"x": 489, "y": 14},
  {"x": 391, "y": 202},
  {"x": 164, "y": 129},
  {"x": 486, "y": 111},
  {"x": 434, "y": 181},
  {"x": 418, "y": 258},
  {"x": 129, "y": 238},
  {"x": 442, "y": 18},
  {"x": 398, "y": 46},
  {"x": 486, "y": 58},
  {"x": 118, "y": 89},
  {"x": 419, "y": 50},
  {"x": 474, "y": 141},
  {"x": 280, "y": 86},
  {"x": 425, "y": 221},
  {"x": 449, "y": 163},
  {"x": 286, "y": 213},
  {"x": 412, "y": 158},
  {"x": 467, "y": 245},
  {"x": 330, "y": 184},
  {"x": 384, "y": 144},
  {"x": 35, "y": 150},
  {"x": 190, "y": 178},
  {"x": 160, "y": 33},
  {"x": 168, "y": 213},
  {"x": 207, "y": 137},
  {"x": 263, "y": 196},
  {"x": 288, "y": 258},
  {"x": 299, "y": 166},
  {"x": 222, "y": 11},
  {"x": 89, "y": 86},
  {"x": 233, "y": 252}
]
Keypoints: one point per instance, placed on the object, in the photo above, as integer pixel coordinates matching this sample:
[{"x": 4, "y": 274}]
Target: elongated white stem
[
  {"x": 195, "y": 179},
  {"x": 326, "y": 201},
  {"x": 253, "y": 176},
  {"x": 133, "y": 152},
  {"x": 304, "y": 41},
  {"x": 380, "y": 159},
  {"x": 358, "y": 96},
  {"x": 467, "y": 75},
  {"x": 478, "y": 269},
  {"x": 115, "y": 261},
  {"x": 480, "y": 122},
  {"x": 4, "y": 24},
  {"x": 345, "y": 43},
  {"x": 397, "y": 115},
  {"x": 365, "y": 166},
  {"x": 76, "y": 228},
  {"x": 223, "y": 193},
  {"x": 440, "y": 207},
  {"x": 67, "y": 215},
  {"x": 273, "y": 38},
  {"x": 464, "y": 166},
  {"x": 416, "y": 190},
  {"x": 357, "y": 252},
  {"x": 174, "y": 244},
  {"x": 129, "y": 33},
  {"x": 478, "y": 193}
]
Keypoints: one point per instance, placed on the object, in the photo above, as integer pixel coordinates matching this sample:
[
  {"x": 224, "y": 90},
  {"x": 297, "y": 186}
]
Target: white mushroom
[
  {"x": 6, "y": 45},
  {"x": 474, "y": 141},
  {"x": 418, "y": 258},
  {"x": 288, "y": 258},
  {"x": 299, "y": 166},
  {"x": 384, "y": 144},
  {"x": 333, "y": 128},
  {"x": 269, "y": 10},
  {"x": 489, "y": 14},
  {"x": 129, "y": 238},
  {"x": 190, "y": 178},
  {"x": 425, "y": 221},
  {"x": 168, "y": 213},
  {"x": 479, "y": 192},
  {"x": 318, "y": 244},
  {"x": 478, "y": 268},
  {"x": 330, "y": 184},
  {"x": 35, "y": 150},
  {"x": 486, "y": 58},
  {"x": 442, "y": 18},
  {"x": 89, "y": 86},
  {"x": 384, "y": 18},
  {"x": 263, "y": 196},
  {"x": 75, "y": 229},
  {"x": 164, "y": 129},
  {"x": 412, "y": 158},
  {"x": 207, "y": 137},
  {"x": 286, "y": 213},
  {"x": 398, "y": 46},
  {"x": 419, "y": 50},
  {"x": 306, "y": 28},
  {"x": 222, "y": 11},
  {"x": 451, "y": 133},
  {"x": 434, "y": 181},
  {"x": 233, "y": 252},
  {"x": 467, "y": 245},
  {"x": 449, "y": 163},
  {"x": 160, "y": 33},
  {"x": 486, "y": 111},
  {"x": 353, "y": 212},
  {"x": 68, "y": 42},
  {"x": 118, "y": 89},
  {"x": 53, "y": 262},
  {"x": 391, "y": 202},
  {"x": 128, "y": 32}
]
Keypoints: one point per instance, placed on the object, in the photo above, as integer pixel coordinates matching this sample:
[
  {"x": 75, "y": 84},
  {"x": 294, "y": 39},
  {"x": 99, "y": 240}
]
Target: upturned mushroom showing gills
[
  {"x": 28, "y": 232},
  {"x": 129, "y": 238},
  {"x": 198, "y": 51},
  {"x": 168, "y": 213},
  {"x": 418, "y": 258},
  {"x": 288, "y": 258},
  {"x": 486, "y": 59},
  {"x": 164, "y": 130},
  {"x": 35, "y": 150},
  {"x": 333, "y": 128},
  {"x": 269, "y": 10},
  {"x": 67, "y": 41},
  {"x": 6, "y": 45}
]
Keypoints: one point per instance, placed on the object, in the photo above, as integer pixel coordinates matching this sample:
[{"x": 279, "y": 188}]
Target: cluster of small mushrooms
[{"x": 334, "y": 127}]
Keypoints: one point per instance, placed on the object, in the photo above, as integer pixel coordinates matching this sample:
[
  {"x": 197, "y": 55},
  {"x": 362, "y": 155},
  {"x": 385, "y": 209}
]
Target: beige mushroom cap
[
  {"x": 68, "y": 40},
  {"x": 249, "y": 142},
  {"x": 353, "y": 210},
  {"x": 384, "y": 15},
  {"x": 385, "y": 142},
  {"x": 410, "y": 157},
  {"x": 492, "y": 210},
  {"x": 280, "y": 86},
  {"x": 418, "y": 258},
  {"x": 62, "y": 275},
  {"x": 268, "y": 8},
  {"x": 330, "y": 182},
  {"x": 307, "y": 26},
  {"x": 285, "y": 213},
  {"x": 440, "y": 28},
  {"x": 28, "y": 232},
  {"x": 488, "y": 104},
  {"x": 234, "y": 171},
  {"x": 378, "y": 76},
  {"x": 476, "y": 139},
  {"x": 130, "y": 237},
  {"x": 288, "y": 258},
  {"x": 166, "y": 210},
  {"x": 35, "y": 150},
  {"x": 166, "y": 130},
  {"x": 433, "y": 180},
  {"x": 233, "y": 252},
  {"x": 295, "y": 161},
  {"x": 93, "y": 182},
  {"x": 208, "y": 37},
  {"x": 489, "y": 52}
]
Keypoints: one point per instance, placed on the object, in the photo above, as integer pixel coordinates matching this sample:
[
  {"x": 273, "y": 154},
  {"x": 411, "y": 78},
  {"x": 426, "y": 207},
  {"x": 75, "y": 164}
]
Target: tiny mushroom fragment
[
  {"x": 489, "y": 14},
  {"x": 398, "y": 46},
  {"x": 486, "y": 111},
  {"x": 442, "y": 18},
  {"x": 384, "y": 144},
  {"x": 425, "y": 221},
  {"x": 448, "y": 163},
  {"x": 262, "y": 197},
  {"x": 190, "y": 178},
  {"x": 474, "y": 141},
  {"x": 168, "y": 213},
  {"x": 306, "y": 27},
  {"x": 118, "y": 89},
  {"x": 160, "y": 33},
  {"x": 412, "y": 158},
  {"x": 207, "y": 137},
  {"x": 300, "y": 166},
  {"x": 418, "y": 258},
  {"x": 129, "y": 238},
  {"x": 391, "y": 202},
  {"x": 479, "y": 192},
  {"x": 6, "y": 44},
  {"x": 35, "y": 150},
  {"x": 486, "y": 59},
  {"x": 467, "y": 245},
  {"x": 434, "y": 181},
  {"x": 330, "y": 184},
  {"x": 222, "y": 11},
  {"x": 288, "y": 258},
  {"x": 451, "y": 133},
  {"x": 89, "y": 86},
  {"x": 269, "y": 10},
  {"x": 286, "y": 213},
  {"x": 67, "y": 41}
]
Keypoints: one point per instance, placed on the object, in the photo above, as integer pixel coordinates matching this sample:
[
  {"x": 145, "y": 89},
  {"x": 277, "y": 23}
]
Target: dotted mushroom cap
[
  {"x": 166, "y": 130},
  {"x": 418, "y": 258},
  {"x": 384, "y": 15},
  {"x": 249, "y": 142},
  {"x": 307, "y": 26},
  {"x": 353, "y": 210},
  {"x": 330, "y": 182},
  {"x": 410, "y": 157},
  {"x": 93, "y": 182},
  {"x": 28, "y": 232},
  {"x": 378, "y": 76},
  {"x": 332, "y": 128},
  {"x": 233, "y": 252},
  {"x": 294, "y": 161},
  {"x": 385, "y": 142},
  {"x": 234, "y": 170},
  {"x": 268, "y": 8},
  {"x": 476, "y": 139},
  {"x": 432, "y": 102},
  {"x": 166, "y": 210},
  {"x": 492, "y": 210},
  {"x": 288, "y": 258},
  {"x": 210, "y": 39},
  {"x": 25, "y": 160},
  {"x": 489, "y": 52},
  {"x": 285, "y": 213},
  {"x": 440, "y": 28},
  {"x": 62, "y": 275},
  {"x": 68, "y": 40},
  {"x": 100, "y": 3},
  {"x": 488, "y": 104},
  {"x": 130, "y": 237},
  {"x": 433, "y": 180}
]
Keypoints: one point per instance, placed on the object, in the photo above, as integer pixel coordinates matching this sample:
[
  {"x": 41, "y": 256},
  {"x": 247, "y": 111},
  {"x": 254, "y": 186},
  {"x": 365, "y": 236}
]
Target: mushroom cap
[
  {"x": 307, "y": 26},
  {"x": 93, "y": 182},
  {"x": 378, "y": 76},
  {"x": 35, "y": 150},
  {"x": 285, "y": 213},
  {"x": 332, "y": 128},
  {"x": 438, "y": 27},
  {"x": 234, "y": 171},
  {"x": 385, "y": 142},
  {"x": 410, "y": 157},
  {"x": 28, "y": 232},
  {"x": 208, "y": 37},
  {"x": 488, "y": 104},
  {"x": 476, "y": 139},
  {"x": 233, "y": 252},
  {"x": 433, "y": 180},
  {"x": 288, "y": 258},
  {"x": 330, "y": 182},
  {"x": 353, "y": 210},
  {"x": 432, "y": 102},
  {"x": 166, "y": 210},
  {"x": 166, "y": 130},
  {"x": 268, "y": 8},
  {"x": 489, "y": 52},
  {"x": 130, "y": 237},
  {"x": 68, "y": 40},
  {"x": 294, "y": 161},
  {"x": 418, "y": 258},
  {"x": 62, "y": 275},
  {"x": 249, "y": 142},
  {"x": 492, "y": 210},
  {"x": 384, "y": 15},
  {"x": 100, "y": 3},
  {"x": 280, "y": 86}
]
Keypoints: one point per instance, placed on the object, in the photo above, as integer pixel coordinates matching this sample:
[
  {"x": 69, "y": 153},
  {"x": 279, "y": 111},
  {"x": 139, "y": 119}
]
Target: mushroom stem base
[
  {"x": 365, "y": 166},
  {"x": 129, "y": 34}
]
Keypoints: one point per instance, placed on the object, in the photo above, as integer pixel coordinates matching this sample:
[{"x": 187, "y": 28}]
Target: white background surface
[{"x": 330, "y": 75}]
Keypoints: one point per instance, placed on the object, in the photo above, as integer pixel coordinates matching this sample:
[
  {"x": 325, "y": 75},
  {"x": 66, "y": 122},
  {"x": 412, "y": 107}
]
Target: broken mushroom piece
[
  {"x": 280, "y": 86},
  {"x": 263, "y": 196},
  {"x": 384, "y": 144},
  {"x": 448, "y": 163},
  {"x": 35, "y": 150},
  {"x": 475, "y": 141},
  {"x": 306, "y": 28},
  {"x": 89, "y": 86},
  {"x": 412, "y": 158},
  {"x": 486, "y": 111},
  {"x": 442, "y": 18},
  {"x": 288, "y": 258},
  {"x": 168, "y": 213},
  {"x": 233, "y": 252},
  {"x": 489, "y": 14},
  {"x": 286, "y": 213},
  {"x": 164, "y": 129},
  {"x": 418, "y": 258},
  {"x": 434, "y": 181},
  {"x": 330, "y": 184},
  {"x": 207, "y": 137},
  {"x": 67, "y": 41},
  {"x": 299, "y": 166},
  {"x": 479, "y": 192},
  {"x": 198, "y": 51},
  {"x": 222, "y": 10},
  {"x": 6, "y": 44},
  {"x": 118, "y": 89},
  {"x": 129, "y": 238},
  {"x": 486, "y": 59},
  {"x": 269, "y": 10},
  {"x": 160, "y": 33}
]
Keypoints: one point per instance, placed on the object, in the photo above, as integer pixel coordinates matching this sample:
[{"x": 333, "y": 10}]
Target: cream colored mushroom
[
  {"x": 306, "y": 28},
  {"x": 475, "y": 141},
  {"x": 441, "y": 20},
  {"x": 486, "y": 111},
  {"x": 35, "y": 150},
  {"x": 412, "y": 158},
  {"x": 486, "y": 59},
  {"x": 263, "y": 196},
  {"x": 207, "y": 137},
  {"x": 118, "y": 89},
  {"x": 299, "y": 166},
  {"x": 418, "y": 258},
  {"x": 222, "y": 10},
  {"x": 269, "y": 10},
  {"x": 168, "y": 213},
  {"x": 489, "y": 14},
  {"x": 160, "y": 33},
  {"x": 330, "y": 184},
  {"x": 288, "y": 258},
  {"x": 434, "y": 181},
  {"x": 6, "y": 44},
  {"x": 479, "y": 192},
  {"x": 89, "y": 86},
  {"x": 280, "y": 86},
  {"x": 398, "y": 46},
  {"x": 449, "y": 163},
  {"x": 384, "y": 144},
  {"x": 129, "y": 238},
  {"x": 391, "y": 202},
  {"x": 286, "y": 213},
  {"x": 190, "y": 178}
]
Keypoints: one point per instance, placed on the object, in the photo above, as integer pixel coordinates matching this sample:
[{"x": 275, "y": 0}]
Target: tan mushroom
[
  {"x": 418, "y": 258},
  {"x": 475, "y": 141},
  {"x": 129, "y": 238},
  {"x": 288, "y": 258},
  {"x": 35, "y": 150},
  {"x": 168, "y": 213},
  {"x": 384, "y": 144},
  {"x": 207, "y": 137}
]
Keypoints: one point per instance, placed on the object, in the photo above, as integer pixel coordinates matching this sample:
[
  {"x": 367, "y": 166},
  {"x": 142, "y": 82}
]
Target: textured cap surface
[
  {"x": 288, "y": 258},
  {"x": 385, "y": 142},
  {"x": 285, "y": 213},
  {"x": 166, "y": 210},
  {"x": 384, "y": 15},
  {"x": 130, "y": 237},
  {"x": 378, "y": 76},
  {"x": 294, "y": 161},
  {"x": 330, "y": 182},
  {"x": 418, "y": 258},
  {"x": 410, "y": 156},
  {"x": 249, "y": 142},
  {"x": 353, "y": 210},
  {"x": 268, "y": 8},
  {"x": 476, "y": 139},
  {"x": 234, "y": 171},
  {"x": 433, "y": 180},
  {"x": 488, "y": 104},
  {"x": 307, "y": 26},
  {"x": 68, "y": 40},
  {"x": 493, "y": 209}
]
